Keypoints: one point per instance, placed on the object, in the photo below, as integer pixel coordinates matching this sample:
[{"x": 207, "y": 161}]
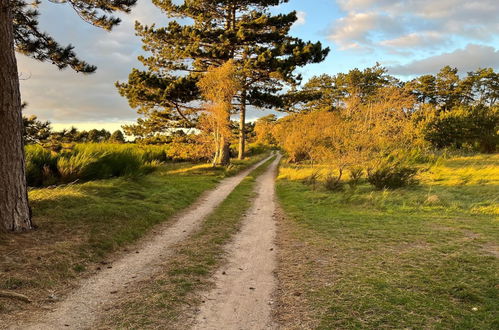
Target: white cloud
[
  {"x": 430, "y": 39},
  {"x": 357, "y": 29},
  {"x": 467, "y": 59},
  {"x": 302, "y": 18},
  {"x": 415, "y": 24}
]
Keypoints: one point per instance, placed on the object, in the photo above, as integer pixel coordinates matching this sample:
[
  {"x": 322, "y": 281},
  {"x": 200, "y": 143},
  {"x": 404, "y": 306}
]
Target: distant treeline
[{"x": 40, "y": 132}]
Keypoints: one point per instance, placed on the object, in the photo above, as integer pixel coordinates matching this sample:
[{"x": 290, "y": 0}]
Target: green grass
[
  {"x": 80, "y": 225},
  {"x": 159, "y": 303},
  {"x": 417, "y": 257}
]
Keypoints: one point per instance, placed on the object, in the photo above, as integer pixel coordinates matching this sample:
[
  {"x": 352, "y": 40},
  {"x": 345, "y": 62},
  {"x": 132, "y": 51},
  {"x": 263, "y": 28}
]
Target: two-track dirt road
[
  {"x": 242, "y": 297},
  {"x": 244, "y": 287}
]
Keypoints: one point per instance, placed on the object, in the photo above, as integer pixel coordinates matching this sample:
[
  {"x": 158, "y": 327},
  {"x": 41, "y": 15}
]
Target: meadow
[{"x": 422, "y": 256}]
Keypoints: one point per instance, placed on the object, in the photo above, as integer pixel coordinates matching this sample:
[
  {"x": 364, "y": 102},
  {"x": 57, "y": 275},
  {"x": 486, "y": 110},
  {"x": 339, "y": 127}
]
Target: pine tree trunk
[
  {"x": 242, "y": 126},
  {"x": 222, "y": 155},
  {"x": 14, "y": 208}
]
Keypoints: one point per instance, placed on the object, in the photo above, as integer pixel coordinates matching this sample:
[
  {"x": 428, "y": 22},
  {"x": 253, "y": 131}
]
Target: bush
[
  {"x": 473, "y": 127},
  {"x": 356, "y": 174},
  {"x": 333, "y": 182},
  {"x": 312, "y": 179},
  {"x": 89, "y": 161},
  {"x": 72, "y": 167},
  {"x": 256, "y": 149},
  {"x": 392, "y": 176}
]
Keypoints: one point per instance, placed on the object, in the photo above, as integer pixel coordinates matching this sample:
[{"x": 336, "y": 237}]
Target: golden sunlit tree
[
  {"x": 218, "y": 87},
  {"x": 358, "y": 135}
]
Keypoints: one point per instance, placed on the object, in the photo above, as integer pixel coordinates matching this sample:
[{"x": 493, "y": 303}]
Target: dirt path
[
  {"x": 244, "y": 287},
  {"x": 82, "y": 308}
]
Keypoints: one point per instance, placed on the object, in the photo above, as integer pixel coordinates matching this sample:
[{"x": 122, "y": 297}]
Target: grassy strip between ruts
[
  {"x": 166, "y": 300},
  {"x": 81, "y": 225},
  {"x": 423, "y": 257}
]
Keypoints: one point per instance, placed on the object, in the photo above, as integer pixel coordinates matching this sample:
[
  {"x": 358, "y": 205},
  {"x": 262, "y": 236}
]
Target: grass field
[
  {"x": 418, "y": 257},
  {"x": 80, "y": 225}
]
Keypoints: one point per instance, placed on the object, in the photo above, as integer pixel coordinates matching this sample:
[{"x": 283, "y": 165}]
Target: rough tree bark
[{"x": 14, "y": 209}]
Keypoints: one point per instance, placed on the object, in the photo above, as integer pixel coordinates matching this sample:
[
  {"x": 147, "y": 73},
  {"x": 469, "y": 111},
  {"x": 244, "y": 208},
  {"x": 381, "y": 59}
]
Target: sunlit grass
[
  {"x": 473, "y": 170},
  {"x": 302, "y": 172},
  {"x": 418, "y": 257}
]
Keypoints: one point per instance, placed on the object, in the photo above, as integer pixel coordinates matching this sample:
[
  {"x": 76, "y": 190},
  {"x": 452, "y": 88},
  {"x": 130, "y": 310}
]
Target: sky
[{"x": 408, "y": 37}]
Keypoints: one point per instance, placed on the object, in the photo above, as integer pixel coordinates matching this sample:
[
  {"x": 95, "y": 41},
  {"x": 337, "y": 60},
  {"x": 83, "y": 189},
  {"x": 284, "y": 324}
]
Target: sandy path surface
[
  {"x": 82, "y": 308},
  {"x": 244, "y": 287}
]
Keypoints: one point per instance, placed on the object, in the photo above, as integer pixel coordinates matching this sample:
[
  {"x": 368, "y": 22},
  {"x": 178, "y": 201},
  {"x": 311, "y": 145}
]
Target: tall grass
[{"x": 90, "y": 161}]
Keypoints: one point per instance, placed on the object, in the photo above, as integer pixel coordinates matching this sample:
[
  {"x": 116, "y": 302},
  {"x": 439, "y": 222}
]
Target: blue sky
[{"x": 409, "y": 37}]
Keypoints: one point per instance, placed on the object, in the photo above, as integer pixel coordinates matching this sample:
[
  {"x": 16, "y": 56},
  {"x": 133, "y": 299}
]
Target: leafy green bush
[
  {"x": 473, "y": 127},
  {"x": 392, "y": 176}
]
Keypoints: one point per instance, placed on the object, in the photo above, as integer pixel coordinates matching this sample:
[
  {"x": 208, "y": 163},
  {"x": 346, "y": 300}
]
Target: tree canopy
[
  {"x": 206, "y": 34},
  {"x": 31, "y": 41}
]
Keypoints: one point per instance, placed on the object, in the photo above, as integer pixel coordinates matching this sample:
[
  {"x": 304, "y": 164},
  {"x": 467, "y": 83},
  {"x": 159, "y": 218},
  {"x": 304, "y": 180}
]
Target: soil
[{"x": 242, "y": 297}]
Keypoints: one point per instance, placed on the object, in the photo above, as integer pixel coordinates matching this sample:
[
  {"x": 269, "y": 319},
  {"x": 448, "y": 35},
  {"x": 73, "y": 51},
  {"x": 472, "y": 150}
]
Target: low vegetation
[{"x": 421, "y": 256}]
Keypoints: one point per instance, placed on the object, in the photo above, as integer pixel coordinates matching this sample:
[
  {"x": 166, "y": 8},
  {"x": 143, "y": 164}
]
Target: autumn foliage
[{"x": 219, "y": 86}]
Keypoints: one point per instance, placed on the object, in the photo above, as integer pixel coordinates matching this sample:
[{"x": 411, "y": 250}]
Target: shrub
[
  {"x": 392, "y": 176},
  {"x": 356, "y": 174},
  {"x": 256, "y": 149},
  {"x": 72, "y": 167},
  {"x": 312, "y": 179},
  {"x": 474, "y": 127},
  {"x": 333, "y": 182}
]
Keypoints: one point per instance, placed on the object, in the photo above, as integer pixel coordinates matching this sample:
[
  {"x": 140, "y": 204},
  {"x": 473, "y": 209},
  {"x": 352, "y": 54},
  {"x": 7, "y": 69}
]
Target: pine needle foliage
[
  {"x": 31, "y": 41},
  {"x": 204, "y": 34}
]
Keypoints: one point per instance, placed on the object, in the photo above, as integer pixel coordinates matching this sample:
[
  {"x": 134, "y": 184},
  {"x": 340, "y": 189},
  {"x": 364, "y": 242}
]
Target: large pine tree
[
  {"x": 207, "y": 33},
  {"x": 19, "y": 31}
]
